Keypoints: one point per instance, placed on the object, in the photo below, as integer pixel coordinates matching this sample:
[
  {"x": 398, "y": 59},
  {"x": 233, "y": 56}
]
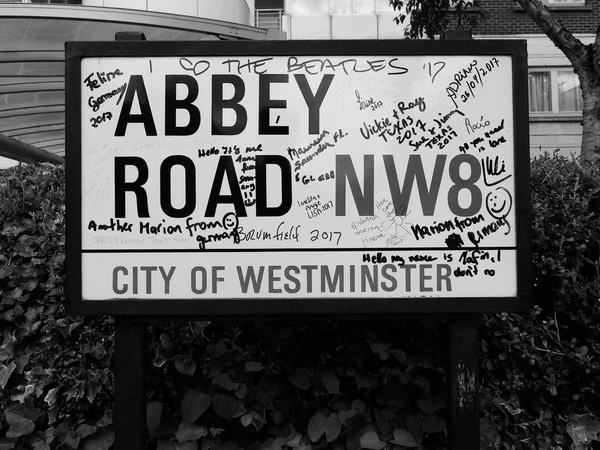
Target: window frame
[
  {"x": 554, "y": 103},
  {"x": 376, "y": 9},
  {"x": 558, "y": 3}
]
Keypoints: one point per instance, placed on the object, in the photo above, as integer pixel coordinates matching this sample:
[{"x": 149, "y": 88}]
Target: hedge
[{"x": 302, "y": 385}]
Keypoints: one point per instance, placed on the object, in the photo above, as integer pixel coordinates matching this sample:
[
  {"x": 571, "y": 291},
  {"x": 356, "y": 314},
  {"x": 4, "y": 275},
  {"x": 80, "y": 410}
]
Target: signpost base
[
  {"x": 464, "y": 384},
  {"x": 130, "y": 385}
]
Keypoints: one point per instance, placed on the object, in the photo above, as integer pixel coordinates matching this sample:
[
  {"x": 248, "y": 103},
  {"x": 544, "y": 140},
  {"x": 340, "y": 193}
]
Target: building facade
[
  {"x": 555, "y": 102},
  {"x": 34, "y": 31},
  {"x": 32, "y": 41},
  {"x": 554, "y": 96}
]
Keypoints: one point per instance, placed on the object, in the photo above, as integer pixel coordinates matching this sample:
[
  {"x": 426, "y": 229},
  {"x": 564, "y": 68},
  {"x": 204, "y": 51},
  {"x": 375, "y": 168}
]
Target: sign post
[
  {"x": 131, "y": 350},
  {"x": 298, "y": 178}
]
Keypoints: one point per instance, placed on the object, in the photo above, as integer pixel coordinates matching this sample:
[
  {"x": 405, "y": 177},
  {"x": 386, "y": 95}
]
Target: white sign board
[{"x": 298, "y": 176}]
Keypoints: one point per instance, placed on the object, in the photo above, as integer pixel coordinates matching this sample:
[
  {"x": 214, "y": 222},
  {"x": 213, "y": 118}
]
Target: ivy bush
[
  {"x": 541, "y": 371},
  {"x": 302, "y": 384},
  {"x": 55, "y": 370}
]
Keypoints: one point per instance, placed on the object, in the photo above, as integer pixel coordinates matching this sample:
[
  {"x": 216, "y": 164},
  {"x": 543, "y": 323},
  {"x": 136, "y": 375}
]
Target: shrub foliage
[
  {"x": 541, "y": 371},
  {"x": 302, "y": 385}
]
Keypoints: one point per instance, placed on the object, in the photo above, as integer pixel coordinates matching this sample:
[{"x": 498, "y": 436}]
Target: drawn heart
[{"x": 198, "y": 68}]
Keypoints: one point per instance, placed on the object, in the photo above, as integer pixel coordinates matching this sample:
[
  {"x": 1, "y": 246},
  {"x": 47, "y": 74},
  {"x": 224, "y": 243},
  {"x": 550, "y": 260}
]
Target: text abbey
[{"x": 137, "y": 88}]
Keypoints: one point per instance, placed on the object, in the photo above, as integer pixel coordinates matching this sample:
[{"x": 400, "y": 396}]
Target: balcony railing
[{"x": 268, "y": 18}]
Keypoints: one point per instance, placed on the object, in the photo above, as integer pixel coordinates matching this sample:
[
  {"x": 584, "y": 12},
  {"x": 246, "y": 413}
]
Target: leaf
[
  {"x": 50, "y": 397},
  {"x": 319, "y": 425},
  {"x": 5, "y": 373},
  {"x": 393, "y": 393},
  {"x": 185, "y": 365},
  {"x": 427, "y": 405},
  {"x": 190, "y": 432},
  {"x": 583, "y": 429},
  {"x": 359, "y": 406},
  {"x": 153, "y": 414},
  {"x": 199, "y": 326},
  {"x": 193, "y": 445},
  {"x": 294, "y": 440},
  {"x": 331, "y": 382},
  {"x": 31, "y": 284},
  {"x": 371, "y": 440},
  {"x": 224, "y": 380},
  {"x": 253, "y": 366},
  {"x": 241, "y": 391},
  {"x": 380, "y": 348},
  {"x": 163, "y": 444},
  {"x": 220, "y": 349},
  {"x": 100, "y": 441},
  {"x": 433, "y": 424},
  {"x": 9, "y": 298},
  {"x": 225, "y": 405},
  {"x": 404, "y": 438},
  {"x": 84, "y": 430},
  {"x": 300, "y": 378},
  {"x": 21, "y": 419},
  {"x": 66, "y": 436},
  {"x": 345, "y": 415},
  {"x": 422, "y": 382},
  {"x": 399, "y": 355},
  {"x": 246, "y": 419},
  {"x": 316, "y": 426},
  {"x": 333, "y": 427},
  {"x": 194, "y": 404},
  {"x": 159, "y": 359},
  {"x": 6, "y": 444}
]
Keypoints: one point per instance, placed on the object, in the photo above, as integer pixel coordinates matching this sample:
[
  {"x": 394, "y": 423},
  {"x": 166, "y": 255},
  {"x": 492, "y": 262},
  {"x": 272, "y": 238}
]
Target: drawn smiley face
[
  {"x": 230, "y": 221},
  {"x": 499, "y": 203}
]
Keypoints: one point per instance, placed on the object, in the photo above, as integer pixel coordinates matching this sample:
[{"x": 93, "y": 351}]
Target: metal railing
[{"x": 268, "y": 18}]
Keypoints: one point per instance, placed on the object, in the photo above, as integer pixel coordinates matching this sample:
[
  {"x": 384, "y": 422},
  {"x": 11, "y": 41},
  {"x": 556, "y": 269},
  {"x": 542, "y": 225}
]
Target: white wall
[
  {"x": 236, "y": 11},
  {"x": 5, "y": 162},
  {"x": 342, "y": 26}
]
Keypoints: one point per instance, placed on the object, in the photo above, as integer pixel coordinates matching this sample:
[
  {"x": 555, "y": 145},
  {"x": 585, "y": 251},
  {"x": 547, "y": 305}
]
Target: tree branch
[{"x": 572, "y": 47}]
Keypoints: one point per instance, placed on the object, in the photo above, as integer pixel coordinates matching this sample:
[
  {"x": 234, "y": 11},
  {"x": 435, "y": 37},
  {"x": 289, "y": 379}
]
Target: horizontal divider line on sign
[{"x": 293, "y": 250}]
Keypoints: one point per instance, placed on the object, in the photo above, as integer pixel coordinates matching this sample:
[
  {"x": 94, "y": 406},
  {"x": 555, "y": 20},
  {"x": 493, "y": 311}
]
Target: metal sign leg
[
  {"x": 130, "y": 385},
  {"x": 464, "y": 384}
]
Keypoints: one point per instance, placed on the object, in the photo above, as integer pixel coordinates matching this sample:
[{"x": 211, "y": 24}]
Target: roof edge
[{"x": 132, "y": 16}]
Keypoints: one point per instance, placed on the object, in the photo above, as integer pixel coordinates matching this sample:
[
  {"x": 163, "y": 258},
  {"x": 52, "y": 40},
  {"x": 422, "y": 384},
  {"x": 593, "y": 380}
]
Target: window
[
  {"x": 564, "y": 2},
  {"x": 267, "y": 14},
  {"x": 307, "y": 7},
  {"x": 554, "y": 91}
]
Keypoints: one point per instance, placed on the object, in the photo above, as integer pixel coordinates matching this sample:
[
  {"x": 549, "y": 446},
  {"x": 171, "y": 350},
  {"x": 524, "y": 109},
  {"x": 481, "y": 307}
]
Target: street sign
[{"x": 297, "y": 177}]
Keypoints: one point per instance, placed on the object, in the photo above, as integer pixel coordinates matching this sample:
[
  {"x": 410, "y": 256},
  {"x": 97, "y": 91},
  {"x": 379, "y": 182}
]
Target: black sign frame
[{"x": 516, "y": 49}]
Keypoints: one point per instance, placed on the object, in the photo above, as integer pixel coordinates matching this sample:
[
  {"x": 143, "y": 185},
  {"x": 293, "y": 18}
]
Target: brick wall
[{"x": 507, "y": 17}]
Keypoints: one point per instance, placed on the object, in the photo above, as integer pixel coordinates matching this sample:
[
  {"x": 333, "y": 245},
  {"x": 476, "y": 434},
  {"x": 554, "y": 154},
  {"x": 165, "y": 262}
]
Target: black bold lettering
[
  {"x": 172, "y": 104},
  {"x": 122, "y": 186},
  {"x": 315, "y": 101},
  {"x": 225, "y": 166},
  {"x": 190, "y": 186},
  {"x": 344, "y": 169},
  {"x": 261, "y": 185},
  {"x": 468, "y": 184},
  {"x": 219, "y": 104},
  {"x": 265, "y": 104},
  {"x": 136, "y": 86},
  {"x": 414, "y": 169}
]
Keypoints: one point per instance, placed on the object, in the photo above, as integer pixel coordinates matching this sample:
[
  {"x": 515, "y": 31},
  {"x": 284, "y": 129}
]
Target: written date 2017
[{"x": 331, "y": 236}]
